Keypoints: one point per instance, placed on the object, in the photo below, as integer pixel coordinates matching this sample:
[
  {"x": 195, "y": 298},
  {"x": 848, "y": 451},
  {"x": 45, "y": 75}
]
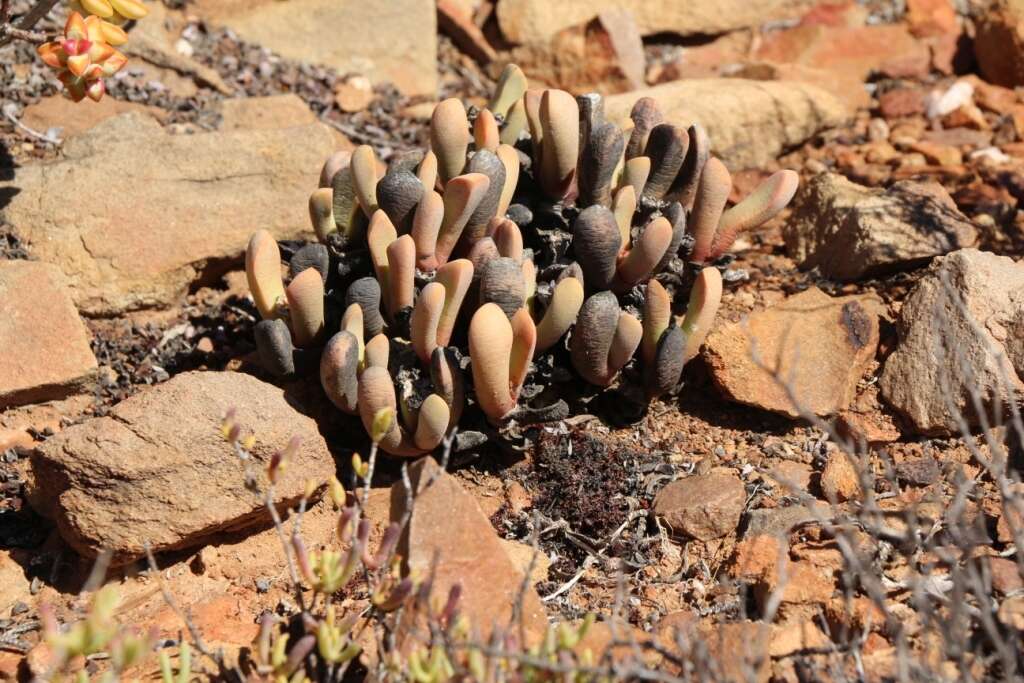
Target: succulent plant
[
  {"x": 85, "y": 55},
  {"x": 534, "y": 243}
]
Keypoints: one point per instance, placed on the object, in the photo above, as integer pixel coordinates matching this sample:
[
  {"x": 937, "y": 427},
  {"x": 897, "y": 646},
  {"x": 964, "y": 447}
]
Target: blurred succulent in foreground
[
  {"x": 533, "y": 237},
  {"x": 84, "y": 56}
]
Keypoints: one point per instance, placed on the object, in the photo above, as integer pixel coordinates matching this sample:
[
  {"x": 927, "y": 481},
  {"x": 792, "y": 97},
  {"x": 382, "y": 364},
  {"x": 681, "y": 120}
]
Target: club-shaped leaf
[
  {"x": 274, "y": 346},
  {"x": 561, "y": 313},
  {"x": 364, "y": 178},
  {"x": 379, "y": 236},
  {"x": 599, "y": 158},
  {"x": 306, "y": 307},
  {"x": 485, "y": 131},
  {"x": 313, "y": 255},
  {"x": 646, "y": 253},
  {"x": 431, "y": 423},
  {"x": 508, "y": 238},
  {"x": 657, "y": 317},
  {"x": 401, "y": 273},
  {"x": 376, "y": 394},
  {"x": 447, "y": 380},
  {"x": 399, "y": 192},
  {"x": 449, "y": 137},
  {"x": 321, "y": 212},
  {"x": 646, "y": 114},
  {"x": 624, "y": 207},
  {"x": 596, "y": 243},
  {"x": 662, "y": 375},
  {"x": 560, "y": 120},
  {"x": 263, "y": 271},
  {"x": 377, "y": 352},
  {"x": 515, "y": 123},
  {"x": 345, "y": 207},
  {"x": 712, "y": 194},
  {"x": 427, "y": 172},
  {"x": 510, "y": 160},
  {"x": 490, "y": 349},
  {"x": 456, "y": 277},
  {"x": 339, "y": 368},
  {"x": 332, "y": 165},
  {"x": 760, "y": 206},
  {"x": 426, "y": 224},
  {"x": 501, "y": 283},
  {"x": 486, "y": 163},
  {"x": 677, "y": 218},
  {"x": 705, "y": 298},
  {"x": 366, "y": 293},
  {"x": 666, "y": 148},
  {"x": 425, "y": 316},
  {"x": 352, "y": 322},
  {"x": 509, "y": 89},
  {"x": 524, "y": 343},
  {"x": 461, "y": 197},
  {"x": 684, "y": 189},
  {"x": 635, "y": 174},
  {"x": 603, "y": 339}
]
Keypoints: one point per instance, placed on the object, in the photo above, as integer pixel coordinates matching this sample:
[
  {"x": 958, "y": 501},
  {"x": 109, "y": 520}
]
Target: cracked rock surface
[
  {"x": 134, "y": 215},
  {"x": 157, "y": 469}
]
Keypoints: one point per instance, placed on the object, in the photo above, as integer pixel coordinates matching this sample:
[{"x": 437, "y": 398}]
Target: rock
[
  {"x": 524, "y": 20},
  {"x": 923, "y": 471},
  {"x": 818, "y": 346},
  {"x": 850, "y": 53},
  {"x": 705, "y": 506},
  {"x": 1006, "y": 576},
  {"x": 750, "y": 122},
  {"x": 59, "y": 112},
  {"x": 261, "y": 113},
  {"x": 900, "y": 102},
  {"x": 354, "y": 94},
  {"x": 792, "y": 477},
  {"x": 450, "y": 538},
  {"x": 738, "y": 651},
  {"x": 158, "y": 469},
  {"x": 756, "y": 555},
  {"x": 796, "y": 637},
  {"x": 189, "y": 205},
  {"x": 839, "y": 480},
  {"x": 46, "y": 352},
  {"x": 777, "y": 521},
  {"x": 604, "y": 55},
  {"x": 866, "y": 421},
  {"x": 999, "y": 43},
  {"x": 392, "y": 41},
  {"x": 848, "y": 231},
  {"x": 795, "y": 583},
  {"x": 959, "y": 332},
  {"x": 455, "y": 19},
  {"x": 928, "y": 18}
]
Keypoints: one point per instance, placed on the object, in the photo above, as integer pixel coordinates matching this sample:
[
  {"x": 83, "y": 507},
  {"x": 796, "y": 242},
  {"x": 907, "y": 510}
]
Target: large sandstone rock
[
  {"x": 960, "y": 334},
  {"x": 133, "y": 215},
  {"x": 158, "y": 469},
  {"x": 44, "y": 347},
  {"x": 59, "y": 112},
  {"x": 750, "y": 122},
  {"x": 849, "y": 231},
  {"x": 804, "y": 354},
  {"x": 392, "y": 41},
  {"x": 999, "y": 43},
  {"x": 604, "y": 55},
  {"x": 522, "y": 21},
  {"x": 450, "y": 539}
]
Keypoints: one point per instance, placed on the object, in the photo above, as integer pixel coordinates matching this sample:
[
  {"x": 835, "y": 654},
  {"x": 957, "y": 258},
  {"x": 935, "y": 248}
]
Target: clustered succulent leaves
[
  {"x": 86, "y": 53},
  {"x": 533, "y": 235}
]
